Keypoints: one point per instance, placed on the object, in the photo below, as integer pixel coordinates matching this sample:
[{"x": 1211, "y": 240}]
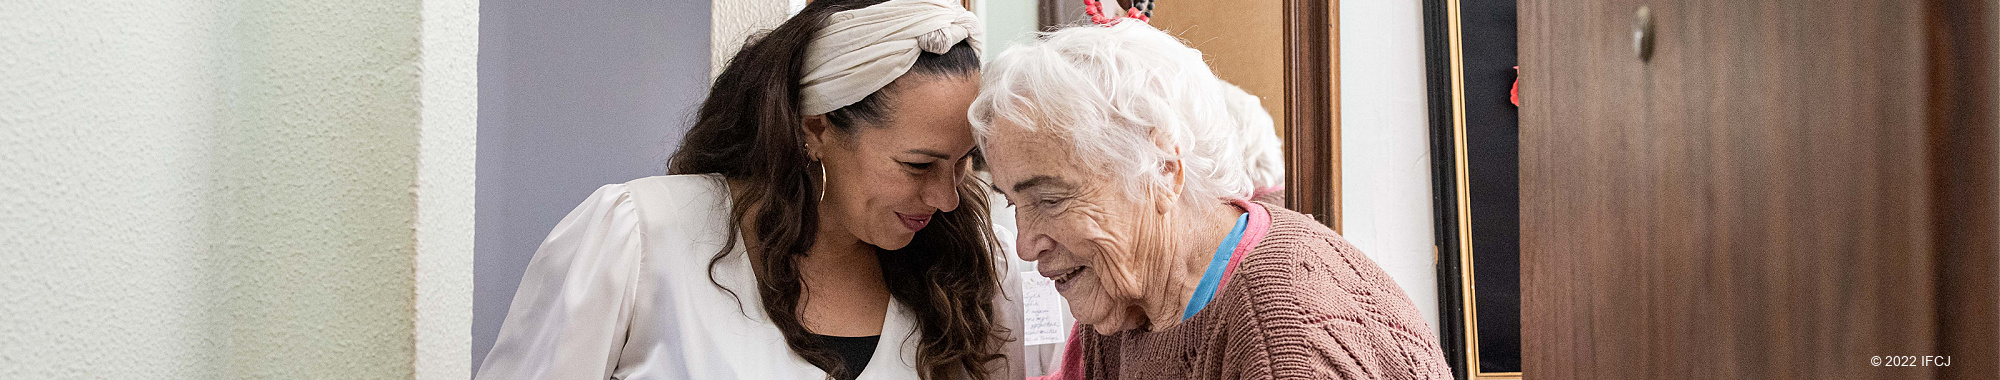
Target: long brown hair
[{"x": 749, "y": 131}]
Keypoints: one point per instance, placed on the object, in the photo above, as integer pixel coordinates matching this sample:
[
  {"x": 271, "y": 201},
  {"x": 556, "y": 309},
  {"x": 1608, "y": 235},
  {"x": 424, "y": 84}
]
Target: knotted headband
[{"x": 862, "y": 50}]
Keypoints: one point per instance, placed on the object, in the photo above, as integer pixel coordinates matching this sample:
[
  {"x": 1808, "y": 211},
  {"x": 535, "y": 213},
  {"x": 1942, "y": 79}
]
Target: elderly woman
[{"x": 1117, "y": 148}]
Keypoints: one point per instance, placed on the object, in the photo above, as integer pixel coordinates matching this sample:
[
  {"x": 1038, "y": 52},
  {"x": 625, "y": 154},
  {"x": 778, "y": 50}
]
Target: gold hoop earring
[{"x": 822, "y": 182}]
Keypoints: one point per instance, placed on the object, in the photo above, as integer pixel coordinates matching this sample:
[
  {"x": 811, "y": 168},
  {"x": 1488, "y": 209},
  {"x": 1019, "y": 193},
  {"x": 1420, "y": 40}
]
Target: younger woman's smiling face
[{"x": 885, "y": 182}]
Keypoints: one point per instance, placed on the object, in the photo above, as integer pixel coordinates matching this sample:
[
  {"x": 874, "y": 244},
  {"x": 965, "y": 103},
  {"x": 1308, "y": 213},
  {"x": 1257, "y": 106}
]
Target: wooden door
[{"x": 1778, "y": 189}]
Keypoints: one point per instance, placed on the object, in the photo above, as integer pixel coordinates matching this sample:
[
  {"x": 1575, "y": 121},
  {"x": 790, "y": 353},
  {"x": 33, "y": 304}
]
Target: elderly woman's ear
[{"x": 1175, "y": 172}]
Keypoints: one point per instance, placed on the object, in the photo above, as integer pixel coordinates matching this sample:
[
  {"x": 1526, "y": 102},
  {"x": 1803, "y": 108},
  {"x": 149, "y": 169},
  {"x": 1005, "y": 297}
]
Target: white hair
[
  {"x": 1263, "y": 155},
  {"x": 1123, "y": 98}
]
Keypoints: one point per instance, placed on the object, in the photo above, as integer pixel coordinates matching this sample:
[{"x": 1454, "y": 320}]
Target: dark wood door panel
[
  {"x": 1571, "y": 296},
  {"x": 1965, "y": 162},
  {"x": 1756, "y": 200}
]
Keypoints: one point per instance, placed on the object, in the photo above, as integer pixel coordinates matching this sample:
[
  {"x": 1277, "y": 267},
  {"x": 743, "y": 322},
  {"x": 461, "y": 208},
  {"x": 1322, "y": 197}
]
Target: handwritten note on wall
[{"x": 1041, "y": 311}]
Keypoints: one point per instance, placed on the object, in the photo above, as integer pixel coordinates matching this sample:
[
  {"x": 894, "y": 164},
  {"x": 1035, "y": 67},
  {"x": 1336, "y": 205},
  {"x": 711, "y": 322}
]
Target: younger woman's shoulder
[
  {"x": 681, "y": 185},
  {"x": 684, "y": 204}
]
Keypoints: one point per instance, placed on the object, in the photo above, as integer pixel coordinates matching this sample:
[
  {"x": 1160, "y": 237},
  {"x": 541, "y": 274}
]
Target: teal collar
[{"x": 1212, "y": 277}]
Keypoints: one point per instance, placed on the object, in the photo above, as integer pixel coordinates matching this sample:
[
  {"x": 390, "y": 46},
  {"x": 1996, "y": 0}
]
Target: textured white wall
[
  {"x": 230, "y": 189},
  {"x": 1384, "y": 144},
  {"x": 446, "y": 170}
]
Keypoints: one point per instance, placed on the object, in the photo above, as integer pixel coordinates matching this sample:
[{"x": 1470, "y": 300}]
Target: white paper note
[{"x": 1041, "y": 310}]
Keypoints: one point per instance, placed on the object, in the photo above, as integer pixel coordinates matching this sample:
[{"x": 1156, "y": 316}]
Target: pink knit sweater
[{"x": 1303, "y": 304}]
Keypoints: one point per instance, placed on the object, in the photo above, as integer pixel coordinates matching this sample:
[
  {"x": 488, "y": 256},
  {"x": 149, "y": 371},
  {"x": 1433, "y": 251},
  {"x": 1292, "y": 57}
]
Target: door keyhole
[{"x": 1642, "y": 33}]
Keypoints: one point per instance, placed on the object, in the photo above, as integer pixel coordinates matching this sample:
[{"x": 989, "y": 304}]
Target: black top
[{"x": 854, "y": 351}]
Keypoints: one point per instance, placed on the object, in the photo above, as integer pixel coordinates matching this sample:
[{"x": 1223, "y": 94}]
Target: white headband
[{"x": 862, "y": 50}]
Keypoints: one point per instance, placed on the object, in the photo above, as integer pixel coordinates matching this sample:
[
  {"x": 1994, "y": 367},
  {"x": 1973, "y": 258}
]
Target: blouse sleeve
[{"x": 570, "y": 314}]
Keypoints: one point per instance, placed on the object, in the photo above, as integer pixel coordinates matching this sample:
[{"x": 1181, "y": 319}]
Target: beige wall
[
  {"x": 1243, "y": 41},
  {"x": 236, "y": 189}
]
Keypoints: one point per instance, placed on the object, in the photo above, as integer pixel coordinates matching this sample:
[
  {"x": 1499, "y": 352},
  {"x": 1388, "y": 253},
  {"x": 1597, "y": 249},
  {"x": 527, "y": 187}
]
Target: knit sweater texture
[{"x": 1303, "y": 304}]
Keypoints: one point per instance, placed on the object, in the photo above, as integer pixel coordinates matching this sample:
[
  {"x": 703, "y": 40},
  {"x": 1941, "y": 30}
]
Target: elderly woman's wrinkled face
[{"x": 1100, "y": 244}]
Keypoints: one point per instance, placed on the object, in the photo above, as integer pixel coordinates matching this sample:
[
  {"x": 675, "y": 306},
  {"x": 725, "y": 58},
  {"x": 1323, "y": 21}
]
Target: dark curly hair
[{"x": 748, "y": 130}]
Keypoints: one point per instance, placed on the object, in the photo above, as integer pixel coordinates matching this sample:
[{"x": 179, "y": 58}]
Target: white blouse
[{"x": 620, "y": 289}]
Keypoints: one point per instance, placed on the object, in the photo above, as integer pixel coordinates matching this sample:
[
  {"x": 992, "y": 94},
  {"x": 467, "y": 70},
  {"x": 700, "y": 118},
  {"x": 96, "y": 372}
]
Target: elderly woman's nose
[{"x": 1031, "y": 246}]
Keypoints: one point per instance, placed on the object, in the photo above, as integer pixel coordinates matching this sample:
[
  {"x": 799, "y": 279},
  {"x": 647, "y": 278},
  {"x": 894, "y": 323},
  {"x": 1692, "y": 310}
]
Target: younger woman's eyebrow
[{"x": 928, "y": 152}]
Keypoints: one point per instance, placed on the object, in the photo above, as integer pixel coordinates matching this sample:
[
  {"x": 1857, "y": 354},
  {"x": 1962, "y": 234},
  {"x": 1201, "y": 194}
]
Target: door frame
[{"x": 1312, "y": 109}]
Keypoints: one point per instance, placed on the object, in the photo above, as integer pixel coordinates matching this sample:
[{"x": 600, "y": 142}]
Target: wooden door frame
[{"x": 1312, "y": 123}]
